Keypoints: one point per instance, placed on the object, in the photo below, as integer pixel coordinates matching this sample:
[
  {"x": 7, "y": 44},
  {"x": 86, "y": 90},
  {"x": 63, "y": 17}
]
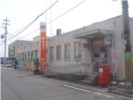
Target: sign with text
[
  {"x": 42, "y": 47},
  {"x": 96, "y": 42}
]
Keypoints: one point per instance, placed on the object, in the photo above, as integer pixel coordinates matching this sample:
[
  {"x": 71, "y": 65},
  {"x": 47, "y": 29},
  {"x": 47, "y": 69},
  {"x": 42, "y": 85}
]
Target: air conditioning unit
[{"x": 58, "y": 32}]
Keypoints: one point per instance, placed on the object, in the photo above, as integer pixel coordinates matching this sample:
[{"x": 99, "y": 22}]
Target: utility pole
[
  {"x": 5, "y": 22},
  {"x": 128, "y": 54}
]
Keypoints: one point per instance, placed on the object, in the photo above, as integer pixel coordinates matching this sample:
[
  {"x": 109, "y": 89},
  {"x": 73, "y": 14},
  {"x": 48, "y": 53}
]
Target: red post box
[{"x": 104, "y": 74}]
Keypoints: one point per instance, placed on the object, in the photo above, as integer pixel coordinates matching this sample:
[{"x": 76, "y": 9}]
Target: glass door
[{"x": 99, "y": 56}]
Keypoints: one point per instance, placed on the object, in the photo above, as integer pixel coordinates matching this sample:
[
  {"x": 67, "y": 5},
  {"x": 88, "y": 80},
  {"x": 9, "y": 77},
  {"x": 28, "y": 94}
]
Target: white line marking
[
  {"x": 97, "y": 93},
  {"x": 77, "y": 88},
  {"x": 87, "y": 91},
  {"x": 102, "y": 90}
]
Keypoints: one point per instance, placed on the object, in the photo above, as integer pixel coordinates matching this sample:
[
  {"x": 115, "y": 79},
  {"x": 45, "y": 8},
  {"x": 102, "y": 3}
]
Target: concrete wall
[{"x": 62, "y": 40}]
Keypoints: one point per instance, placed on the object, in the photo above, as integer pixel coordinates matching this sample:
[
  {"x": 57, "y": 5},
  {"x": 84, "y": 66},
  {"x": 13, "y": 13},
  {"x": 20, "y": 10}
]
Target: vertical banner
[
  {"x": 114, "y": 63},
  {"x": 42, "y": 47}
]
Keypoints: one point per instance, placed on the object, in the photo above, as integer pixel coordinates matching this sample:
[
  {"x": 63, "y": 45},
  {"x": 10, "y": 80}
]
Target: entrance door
[{"x": 99, "y": 56}]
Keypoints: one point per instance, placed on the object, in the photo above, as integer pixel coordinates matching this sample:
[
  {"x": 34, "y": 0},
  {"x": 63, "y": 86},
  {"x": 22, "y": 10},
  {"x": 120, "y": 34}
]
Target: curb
[
  {"x": 120, "y": 92},
  {"x": 24, "y": 69}
]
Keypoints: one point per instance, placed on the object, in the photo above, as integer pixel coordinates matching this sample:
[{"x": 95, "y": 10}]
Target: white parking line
[
  {"x": 77, "y": 88},
  {"x": 87, "y": 91}
]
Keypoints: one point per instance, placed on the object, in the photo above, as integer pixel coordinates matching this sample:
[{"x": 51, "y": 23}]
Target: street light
[{"x": 2, "y": 36}]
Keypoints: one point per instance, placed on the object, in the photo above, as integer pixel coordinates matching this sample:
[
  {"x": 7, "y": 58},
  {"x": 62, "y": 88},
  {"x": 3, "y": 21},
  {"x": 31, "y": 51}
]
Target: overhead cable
[
  {"x": 10, "y": 35},
  {"x": 34, "y": 20},
  {"x": 57, "y": 17},
  {"x": 29, "y": 33},
  {"x": 67, "y": 11}
]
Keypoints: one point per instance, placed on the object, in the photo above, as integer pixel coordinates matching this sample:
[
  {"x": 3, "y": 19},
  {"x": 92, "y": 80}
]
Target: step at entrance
[{"x": 91, "y": 79}]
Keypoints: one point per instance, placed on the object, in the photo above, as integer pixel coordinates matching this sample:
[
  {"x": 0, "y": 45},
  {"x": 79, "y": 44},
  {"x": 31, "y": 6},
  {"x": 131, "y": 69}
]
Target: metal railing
[{"x": 92, "y": 66}]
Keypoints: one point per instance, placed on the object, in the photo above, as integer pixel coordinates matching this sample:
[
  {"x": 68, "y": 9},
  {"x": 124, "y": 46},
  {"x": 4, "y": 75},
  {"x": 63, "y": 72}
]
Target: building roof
[{"x": 96, "y": 33}]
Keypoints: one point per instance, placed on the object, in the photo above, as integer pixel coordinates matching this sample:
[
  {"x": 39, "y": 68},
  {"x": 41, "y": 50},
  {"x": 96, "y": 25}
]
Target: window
[
  {"x": 36, "y": 53},
  {"x": 58, "y": 52},
  {"x": 77, "y": 49},
  {"x": 25, "y": 55},
  {"x": 20, "y": 57},
  {"x": 67, "y": 51},
  {"x": 31, "y": 54},
  {"x": 28, "y": 54},
  {"x": 51, "y": 53}
]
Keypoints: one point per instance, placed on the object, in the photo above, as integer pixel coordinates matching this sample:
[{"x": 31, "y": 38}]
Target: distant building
[
  {"x": 82, "y": 50},
  {"x": 18, "y": 47},
  {"x": 22, "y": 50}
]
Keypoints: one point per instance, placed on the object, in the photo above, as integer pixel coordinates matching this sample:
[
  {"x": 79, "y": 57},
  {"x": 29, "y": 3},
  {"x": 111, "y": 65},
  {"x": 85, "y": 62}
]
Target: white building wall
[
  {"x": 62, "y": 40},
  {"x": 36, "y": 45},
  {"x": 65, "y": 63},
  {"x": 22, "y": 47},
  {"x": 115, "y": 24},
  {"x": 131, "y": 31},
  {"x": 11, "y": 50}
]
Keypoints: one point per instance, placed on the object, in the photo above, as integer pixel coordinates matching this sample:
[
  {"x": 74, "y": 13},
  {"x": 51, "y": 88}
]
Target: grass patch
[{"x": 128, "y": 88}]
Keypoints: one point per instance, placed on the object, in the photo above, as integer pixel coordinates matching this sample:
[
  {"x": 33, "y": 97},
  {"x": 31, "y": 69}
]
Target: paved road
[{"x": 22, "y": 85}]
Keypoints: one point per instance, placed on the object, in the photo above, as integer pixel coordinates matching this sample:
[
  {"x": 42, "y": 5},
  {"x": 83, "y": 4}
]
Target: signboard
[
  {"x": 107, "y": 40},
  {"x": 9, "y": 62},
  {"x": 128, "y": 55},
  {"x": 42, "y": 47},
  {"x": 114, "y": 62},
  {"x": 98, "y": 42}
]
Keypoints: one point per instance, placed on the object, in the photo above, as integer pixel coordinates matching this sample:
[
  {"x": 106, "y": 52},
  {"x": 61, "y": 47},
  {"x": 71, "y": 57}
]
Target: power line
[
  {"x": 19, "y": 9},
  {"x": 29, "y": 33},
  {"x": 34, "y": 20},
  {"x": 56, "y": 17},
  {"x": 20, "y": 6},
  {"x": 16, "y": 8},
  {"x": 29, "y": 8},
  {"x": 2, "y": 41},
  {"x": 67, "y": 11},
  {"x": 17, "y": 31}
]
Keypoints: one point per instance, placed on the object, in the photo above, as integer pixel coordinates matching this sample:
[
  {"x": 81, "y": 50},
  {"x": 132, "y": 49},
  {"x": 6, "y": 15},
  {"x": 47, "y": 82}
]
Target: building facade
[
  {"x": 24, "y": 51},
  {"x": 81, "y": 51}
]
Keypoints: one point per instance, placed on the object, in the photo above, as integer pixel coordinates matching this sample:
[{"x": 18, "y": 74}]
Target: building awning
[{"x": 97, "y": 33}]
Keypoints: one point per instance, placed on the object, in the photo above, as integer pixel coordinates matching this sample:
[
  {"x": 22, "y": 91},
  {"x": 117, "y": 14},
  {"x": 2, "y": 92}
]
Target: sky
[{"x": 85, "y": 12}]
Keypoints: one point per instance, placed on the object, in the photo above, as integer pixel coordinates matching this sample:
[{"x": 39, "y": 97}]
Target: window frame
[
  {"x": 77, "y": 50},
  {"x": 67, "y": 51},
  {"x": 58, "y": 52},
  {"x": 51, "y": 52}
]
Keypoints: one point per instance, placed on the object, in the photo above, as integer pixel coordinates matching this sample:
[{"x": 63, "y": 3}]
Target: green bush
[{"x": 36, "y": 64}]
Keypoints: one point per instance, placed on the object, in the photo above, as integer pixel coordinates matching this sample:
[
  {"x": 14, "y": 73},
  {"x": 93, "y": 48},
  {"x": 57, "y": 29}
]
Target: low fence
[
  {"x": 67, "y": 72},
  {"x": 81, "y": 69}
]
